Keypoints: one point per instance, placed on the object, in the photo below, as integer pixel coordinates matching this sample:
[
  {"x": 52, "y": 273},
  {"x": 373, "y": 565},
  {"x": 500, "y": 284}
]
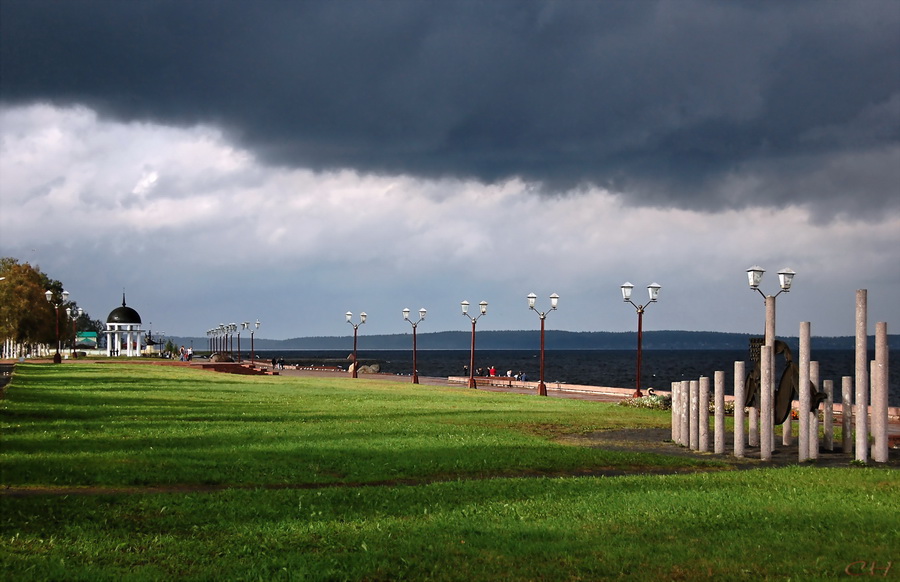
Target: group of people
[
  {"x": 278, "y": 363},
  {"x": 186, "y": 354},
  {"x": 492, "y": 372}
]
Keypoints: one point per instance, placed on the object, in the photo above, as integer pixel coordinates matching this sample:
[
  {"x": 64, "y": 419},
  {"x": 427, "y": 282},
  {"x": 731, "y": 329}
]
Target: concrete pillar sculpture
[
  {"x": 813, "y": 415},
  {"x": 862, "y": 379},
  {"x": 803, "y": 388},
  {"x": 880, "y": 394},
  {"x": 846, "y": 414},
  {"x": 703, "y": 445},
  {"x": 766, "y": 406},
  {"x": 695, "y": 415},
  {"x": 719, "y": 407},
  {"x": 685, "y": 387},
  {"x": 676, "y": 421},
  {"x": 828, "y": 415},
  {"x": 740, "y": 401}
]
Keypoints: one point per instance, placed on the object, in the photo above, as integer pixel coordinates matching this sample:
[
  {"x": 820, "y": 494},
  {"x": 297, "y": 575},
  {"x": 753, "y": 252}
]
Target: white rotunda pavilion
[{"x": 123, "y": 331}]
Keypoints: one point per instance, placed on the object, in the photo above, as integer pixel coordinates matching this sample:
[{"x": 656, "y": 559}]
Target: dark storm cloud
[{"x": 695, "y": 104}]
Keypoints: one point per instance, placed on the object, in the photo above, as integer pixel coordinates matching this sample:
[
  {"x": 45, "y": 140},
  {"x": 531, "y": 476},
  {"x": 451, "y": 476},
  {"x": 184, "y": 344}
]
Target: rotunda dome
[{"x": 123, "y": 314}]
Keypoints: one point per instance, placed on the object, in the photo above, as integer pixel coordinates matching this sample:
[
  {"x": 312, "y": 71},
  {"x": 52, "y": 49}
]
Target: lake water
[{"x": 590, "y": 367}]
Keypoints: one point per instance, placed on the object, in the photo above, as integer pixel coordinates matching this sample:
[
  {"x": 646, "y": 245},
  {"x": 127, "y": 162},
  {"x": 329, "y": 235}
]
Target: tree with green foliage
[{"x": 27, "y": 319}]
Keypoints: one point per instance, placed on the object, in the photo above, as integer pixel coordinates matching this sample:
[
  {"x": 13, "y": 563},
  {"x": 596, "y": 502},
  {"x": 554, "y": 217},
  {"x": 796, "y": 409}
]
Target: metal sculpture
[{"x": 787, "y": 391}]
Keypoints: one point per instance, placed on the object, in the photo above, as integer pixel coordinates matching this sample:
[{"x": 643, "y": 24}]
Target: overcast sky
[{"x": 291, "y": 161}]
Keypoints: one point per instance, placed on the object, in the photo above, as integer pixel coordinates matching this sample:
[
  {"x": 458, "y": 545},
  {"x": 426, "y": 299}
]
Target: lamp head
[
  {"x": 406, "y": 313},
  {"x": 626, "y": 291},
  {"x": 49, "y": 295},
  {"x": 362, "y": 317},
  {"x": 422, "y": 313},
  {"x": 654, "y": 288},
  {"x": 257, "y": 324},
  {"x": 531, "y": 299},
  {"x": 754, "y": 276},
  {"x": 483, "y": 306},
  {"x": 464, "y": 305},
  {"x": 554, "y": 301},
  {"x": 349, "y": 316},
  {"x": 785, "y": 278}
]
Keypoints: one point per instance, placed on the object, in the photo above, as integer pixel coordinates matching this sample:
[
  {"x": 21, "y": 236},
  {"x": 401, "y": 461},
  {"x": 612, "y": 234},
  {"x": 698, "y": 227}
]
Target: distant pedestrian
[
  {"x": 281, "y": 363},
  {"x": 274, "y": 362}
]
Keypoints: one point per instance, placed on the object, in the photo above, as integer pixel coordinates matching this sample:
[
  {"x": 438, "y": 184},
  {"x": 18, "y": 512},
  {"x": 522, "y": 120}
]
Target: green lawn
[{"x": 278, "y": 478}]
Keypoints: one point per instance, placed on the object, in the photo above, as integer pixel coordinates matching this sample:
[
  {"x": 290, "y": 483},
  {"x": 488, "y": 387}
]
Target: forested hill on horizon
[{"x": 554, "y": 340}]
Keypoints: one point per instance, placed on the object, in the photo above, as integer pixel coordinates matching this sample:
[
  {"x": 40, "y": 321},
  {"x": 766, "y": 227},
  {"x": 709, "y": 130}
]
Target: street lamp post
[
  {"x": 465, "y": 311},
  {"x": 362, "y": 320},
  {"x": 232, "y": 327},
  {"x": 554, "y": 301},
  {"x": 252, "y": 346},
  {"x": 785, "y": 279},
  {"x": 653, "y": 289},
  {"x": 74, "y": 314},
  {"x": 57, "y": 358},
  {"x": 244, "y": 325},
  {"x": 415, "y": 375}
]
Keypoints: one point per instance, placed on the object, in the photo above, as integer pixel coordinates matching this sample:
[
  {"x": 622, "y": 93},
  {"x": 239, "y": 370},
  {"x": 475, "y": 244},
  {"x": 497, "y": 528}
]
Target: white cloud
[{"x": 200, "y": 232}]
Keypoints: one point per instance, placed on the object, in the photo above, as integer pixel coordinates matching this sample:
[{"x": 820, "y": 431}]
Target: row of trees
[{"x": 28, "y": 323}]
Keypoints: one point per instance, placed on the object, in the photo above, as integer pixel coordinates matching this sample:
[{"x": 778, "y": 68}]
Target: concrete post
[
  {"x": 686, "y": 412},
  {"x": 704, "y": 415},
  {"x": 719, "y": 423},
  {"x": 740, "y": 401},
  {"x": 846, "y": 415},
  {"x": 828, "y": 415},
  {"x": 787, "y": 433},
  {"x": 766, "y": 410},
  {"x": 695, "y": 415},
  {"x": 803, "y": 389},
  {"x": 813, "y": 415},
  {"x": 862, "y": 378},
  {"x": 880, "y": 394},
  {"x": 753, "y": 426}
]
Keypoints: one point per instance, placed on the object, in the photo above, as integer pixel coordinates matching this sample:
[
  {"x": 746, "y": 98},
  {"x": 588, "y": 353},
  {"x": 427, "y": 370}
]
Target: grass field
[{"x": 130, "y": 471}]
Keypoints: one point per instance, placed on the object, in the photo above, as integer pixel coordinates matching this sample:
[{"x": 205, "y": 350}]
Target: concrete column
[
  {"x": 787, "y": 434},
  {"x": 703, "y": 446},
  {"x": 753, "y": 426},
  {"x": 686, "y": 412},
  {"x": 828, "y": 415},
  {"x": 740, "y": 400},
  {"x": 846, "y": 415},
  {"x": 719, "y": 422},
  {"x": 695, "y": 415},
  {"x": 766, "y": 410},
  {"x": 813, "y": 415},
  {"x": 862, "y": 378},
  {"x": 803, "y": 389},
  {"x": 676, "y": 421},
  {"x": 880, "y": 394}
]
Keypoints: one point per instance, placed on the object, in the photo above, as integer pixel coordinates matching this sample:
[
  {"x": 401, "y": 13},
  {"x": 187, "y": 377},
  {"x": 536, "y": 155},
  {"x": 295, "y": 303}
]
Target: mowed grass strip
[
  {"x": 141, "y": 425},
  {"x": 800, "y": 523}
]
